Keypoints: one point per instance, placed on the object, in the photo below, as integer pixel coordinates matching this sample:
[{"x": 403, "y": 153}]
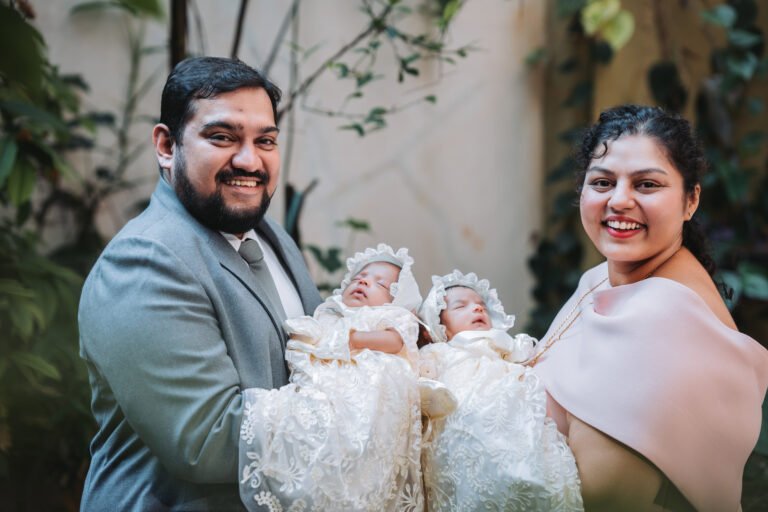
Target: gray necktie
[{"x": 251, "y": 253}]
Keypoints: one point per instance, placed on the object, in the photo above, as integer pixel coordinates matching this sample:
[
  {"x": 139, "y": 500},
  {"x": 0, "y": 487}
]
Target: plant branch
[
  {"x": 289, "y": 17},
  {"x": 239, "y": 28},
  {"x": 376, "y": 26}
]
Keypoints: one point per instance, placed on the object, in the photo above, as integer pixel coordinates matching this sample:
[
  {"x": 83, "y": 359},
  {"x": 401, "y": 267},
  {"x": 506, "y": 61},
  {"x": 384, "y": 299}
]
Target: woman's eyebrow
[{"x": 608, "y": 172}]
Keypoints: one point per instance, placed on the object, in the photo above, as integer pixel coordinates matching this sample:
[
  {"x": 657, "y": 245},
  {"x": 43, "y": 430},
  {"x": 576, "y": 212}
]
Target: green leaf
[
  {"x": 743, "y": 66},
  {"x": 148, "y": 8},
  {"x": 21, "y": 182},
  {"x": 330, "y": 260},
  {"x": 33, "y": 113},
  {"x": 755, "y": 105},
  {"x": 536, "y": 56},
  {"x": 341, "y": 68},
  {"x": 37, "y": 364},
  {"x": 752, "y": 142},
  {"x": 431, "y": 99},
  {"x": 355, "y": 224},
  {"x": 23, "y": 60},
  {"x": 8, "y": 150},
  {"x": 755, "y": 281},
  {"x": 354, "y": 126},
  {"x": 16, "y": 288},
  {"x": 580, "y": 94},
  {"x": 411, "y": 58},
  {"x": 597, "y": 13},
  {"x": 364, "y": 78},
  {"x": 566, "y": 8},
  {"x": 743, "y": 38},
  {"x": 618, "y": 31},
  {"x": 449, "y": 11},
  {"x": 723, "y": 15}
]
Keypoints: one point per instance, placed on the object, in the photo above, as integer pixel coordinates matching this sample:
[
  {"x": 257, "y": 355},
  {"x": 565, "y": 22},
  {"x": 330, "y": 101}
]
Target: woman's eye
[
  {"x": 648, "y": 185},
  {"x": 600, "y": 183}
]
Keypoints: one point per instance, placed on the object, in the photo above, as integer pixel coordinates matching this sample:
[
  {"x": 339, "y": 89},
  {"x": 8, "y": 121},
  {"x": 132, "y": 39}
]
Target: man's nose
[{"x": 247, "y": 158}]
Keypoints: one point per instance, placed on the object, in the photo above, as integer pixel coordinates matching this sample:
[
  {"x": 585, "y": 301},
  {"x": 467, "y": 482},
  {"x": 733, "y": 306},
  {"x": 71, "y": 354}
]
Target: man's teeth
[
  {"x": 244, "y": 183},
  {"x": 615, "y": 224}
]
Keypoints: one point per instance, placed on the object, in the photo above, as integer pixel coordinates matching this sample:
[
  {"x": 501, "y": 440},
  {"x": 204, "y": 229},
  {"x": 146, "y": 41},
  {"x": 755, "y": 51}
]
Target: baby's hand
[
  {"x": 387, "y": 340},
  {"x": 437, "y": 401}
]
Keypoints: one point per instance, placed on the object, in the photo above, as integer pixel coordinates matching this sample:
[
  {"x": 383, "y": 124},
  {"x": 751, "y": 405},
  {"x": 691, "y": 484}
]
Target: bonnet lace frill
[
  {"x": 405, "y": 291},
  {"x": 435, "y": 303}
]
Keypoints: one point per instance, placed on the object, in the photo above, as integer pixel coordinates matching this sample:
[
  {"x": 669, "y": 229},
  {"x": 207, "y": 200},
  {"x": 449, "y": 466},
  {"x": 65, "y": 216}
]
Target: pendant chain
[{"x": 561, "y": 329}]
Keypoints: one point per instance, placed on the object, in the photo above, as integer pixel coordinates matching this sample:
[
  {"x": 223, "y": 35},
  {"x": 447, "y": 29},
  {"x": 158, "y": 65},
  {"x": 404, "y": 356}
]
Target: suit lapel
[{"x": 236, "y": 265}]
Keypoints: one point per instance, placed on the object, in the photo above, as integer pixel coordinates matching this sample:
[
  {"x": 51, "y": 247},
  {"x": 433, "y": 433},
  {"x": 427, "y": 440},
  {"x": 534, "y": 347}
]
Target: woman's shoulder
[{"x": 686, "y": 270}]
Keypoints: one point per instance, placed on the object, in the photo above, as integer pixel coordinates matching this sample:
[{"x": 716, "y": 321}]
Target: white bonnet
[
  {"x": 435, "y": 302},
  {"x": 405, "y": 291}
]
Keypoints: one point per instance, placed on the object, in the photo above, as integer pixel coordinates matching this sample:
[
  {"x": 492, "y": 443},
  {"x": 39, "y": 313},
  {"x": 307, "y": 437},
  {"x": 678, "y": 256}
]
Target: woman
[{"x": 657, "y": 391}]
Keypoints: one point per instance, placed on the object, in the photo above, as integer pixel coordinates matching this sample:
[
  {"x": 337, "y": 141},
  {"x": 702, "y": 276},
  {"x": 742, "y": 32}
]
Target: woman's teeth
[{"x": 621, "y": 225}]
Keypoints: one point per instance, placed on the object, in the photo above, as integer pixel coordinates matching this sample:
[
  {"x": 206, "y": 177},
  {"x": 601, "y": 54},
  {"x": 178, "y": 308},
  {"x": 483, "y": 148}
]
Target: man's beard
[{"x": 210, "y": 210}]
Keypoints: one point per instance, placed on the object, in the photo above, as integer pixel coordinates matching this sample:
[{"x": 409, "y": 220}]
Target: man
[{"x": 174, "y": 323}]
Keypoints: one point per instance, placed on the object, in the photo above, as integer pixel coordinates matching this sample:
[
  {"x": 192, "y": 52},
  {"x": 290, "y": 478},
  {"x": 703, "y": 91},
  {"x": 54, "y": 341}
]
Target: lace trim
[
  {"x": 435, "y": 302},
  {"x": 405, "y": 291}
]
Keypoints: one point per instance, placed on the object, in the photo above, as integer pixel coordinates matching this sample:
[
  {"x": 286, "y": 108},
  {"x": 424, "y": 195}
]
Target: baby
[
  {"x": 498, "y": 450},
  {"x": 345, "y": 433}
]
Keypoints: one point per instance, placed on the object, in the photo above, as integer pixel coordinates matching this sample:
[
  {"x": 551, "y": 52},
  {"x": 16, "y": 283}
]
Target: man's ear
[{"x": 164, "y": 146}]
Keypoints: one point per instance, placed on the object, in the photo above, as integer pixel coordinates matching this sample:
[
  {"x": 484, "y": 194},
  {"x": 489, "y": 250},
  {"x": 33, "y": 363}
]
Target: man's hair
[{"x": 207, "y": 77}]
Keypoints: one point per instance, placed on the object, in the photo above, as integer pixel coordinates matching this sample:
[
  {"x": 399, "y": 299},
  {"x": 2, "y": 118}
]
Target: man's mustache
[{"x": 226, "y": 175}]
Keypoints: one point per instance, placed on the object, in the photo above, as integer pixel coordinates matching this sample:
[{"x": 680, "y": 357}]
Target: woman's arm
[{"x": 388, "y": 340}]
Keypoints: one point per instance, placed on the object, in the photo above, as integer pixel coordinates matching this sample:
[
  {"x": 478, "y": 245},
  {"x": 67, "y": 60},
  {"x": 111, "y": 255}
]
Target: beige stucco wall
[{"x": 457, "y": 182}]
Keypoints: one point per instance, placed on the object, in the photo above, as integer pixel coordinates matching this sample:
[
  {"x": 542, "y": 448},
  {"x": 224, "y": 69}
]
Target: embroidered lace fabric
[
  {"x": 345, "y": 433},
  {"x": 498, "y": 450}
]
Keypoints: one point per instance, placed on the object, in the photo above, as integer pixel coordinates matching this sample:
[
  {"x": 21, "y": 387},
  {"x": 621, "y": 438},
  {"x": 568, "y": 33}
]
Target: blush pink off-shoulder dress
[{"x": 651, "y": 366}]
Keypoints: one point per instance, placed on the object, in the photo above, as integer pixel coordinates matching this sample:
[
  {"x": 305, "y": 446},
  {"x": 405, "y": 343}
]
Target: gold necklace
[{"x": 561, "y": 329}]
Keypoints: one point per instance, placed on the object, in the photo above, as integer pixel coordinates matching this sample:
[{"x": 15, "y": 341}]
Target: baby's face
[
  {"x": 370, "y": 287},
  {"x": 465, "y": 311}
]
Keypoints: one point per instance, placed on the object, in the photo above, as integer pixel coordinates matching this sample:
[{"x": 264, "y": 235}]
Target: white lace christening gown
[
  {"x": 498, "y": 450},
  {"x": 345, "y": 433}
]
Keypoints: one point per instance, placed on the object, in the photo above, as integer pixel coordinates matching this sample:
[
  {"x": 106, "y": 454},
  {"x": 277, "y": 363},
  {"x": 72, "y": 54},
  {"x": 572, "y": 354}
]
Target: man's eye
[
  {"x": 268, "y": 143},
  {"x": 221, "y": 137}
]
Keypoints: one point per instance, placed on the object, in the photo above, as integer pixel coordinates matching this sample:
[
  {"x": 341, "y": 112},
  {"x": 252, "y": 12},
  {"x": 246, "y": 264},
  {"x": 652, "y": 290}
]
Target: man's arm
[{"x": 149, "y": 328}]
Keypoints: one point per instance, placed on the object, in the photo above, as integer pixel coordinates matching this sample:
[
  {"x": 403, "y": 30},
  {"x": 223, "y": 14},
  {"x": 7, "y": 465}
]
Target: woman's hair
[{"x": 674, "y": 137}]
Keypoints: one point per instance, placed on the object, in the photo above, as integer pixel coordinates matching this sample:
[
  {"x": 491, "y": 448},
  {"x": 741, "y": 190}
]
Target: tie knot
[{"x": 251, "y": 251}]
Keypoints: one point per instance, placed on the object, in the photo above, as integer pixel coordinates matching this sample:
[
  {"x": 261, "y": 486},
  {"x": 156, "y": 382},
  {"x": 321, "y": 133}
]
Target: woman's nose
[{"x": 622, "y": 198}]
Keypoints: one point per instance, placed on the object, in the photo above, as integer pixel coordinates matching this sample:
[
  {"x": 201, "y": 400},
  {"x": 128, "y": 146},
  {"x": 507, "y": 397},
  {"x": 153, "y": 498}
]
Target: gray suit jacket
[{"x": 172, "y": 328}]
